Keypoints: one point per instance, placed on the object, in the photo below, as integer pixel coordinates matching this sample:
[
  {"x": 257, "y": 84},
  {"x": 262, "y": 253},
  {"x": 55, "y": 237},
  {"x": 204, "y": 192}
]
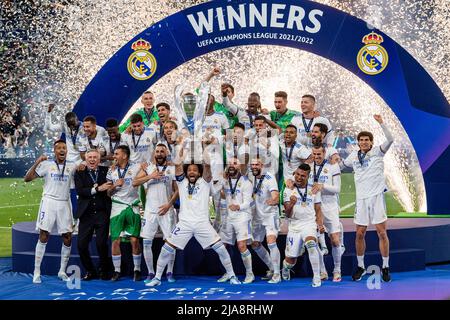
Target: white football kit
[
  {"x": 266, "y": 219},
  {"x": 126, "y": 194},
  {"x": 292, "y": 157},
  {"x": 302, "y": 223},
  {"x": 237, "y": 224},
  {"x": 55, "y": 205},
  {"x": 213, "y": 126},
  {"x": 370, "y": 183},
  {"x": 194, "y": 214},
  {"x": 330, "y": 176},
  {"x": 141, "y": 146},
  {"x": 159, "y": 193}
]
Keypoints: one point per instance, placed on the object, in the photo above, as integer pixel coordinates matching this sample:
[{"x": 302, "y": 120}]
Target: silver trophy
[{"x": 192, "y": 109}]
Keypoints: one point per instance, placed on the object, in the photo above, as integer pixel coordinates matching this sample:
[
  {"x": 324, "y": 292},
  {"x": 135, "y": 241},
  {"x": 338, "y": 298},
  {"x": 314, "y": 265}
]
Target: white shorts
[
  {"x": 203, "y": 232},
  {"x": 232, "y": 231},
  {"x": 370, "y": 210},
  {"x": 296, "y": 239},
  {"x": 54, "y": 211},
  {"x": 331, "y": 221},
  {"x": 151, "y": 221},
  {"x": 269, "y": 226}
]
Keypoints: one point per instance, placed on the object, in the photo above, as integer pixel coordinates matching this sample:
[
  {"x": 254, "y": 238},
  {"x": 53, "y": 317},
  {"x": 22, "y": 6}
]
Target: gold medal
[
  {"x": 190, "y": 197},
  {"x": 95, "y": 185},
  {"x": 303, "y": 204}
]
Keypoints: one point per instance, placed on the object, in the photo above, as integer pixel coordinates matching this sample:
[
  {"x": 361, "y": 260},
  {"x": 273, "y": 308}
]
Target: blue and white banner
[{"x": 370, "y": 54}]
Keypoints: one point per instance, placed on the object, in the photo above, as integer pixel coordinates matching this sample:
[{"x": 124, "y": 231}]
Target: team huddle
[{"x": 252, "y": 167}]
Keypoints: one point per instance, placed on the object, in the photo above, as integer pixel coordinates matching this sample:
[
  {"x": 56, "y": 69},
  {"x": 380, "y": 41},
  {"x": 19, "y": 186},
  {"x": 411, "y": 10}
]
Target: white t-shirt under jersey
[
  {"x": 57, "y": 184},
  {"x": 303, "y": 213},
  {"x": 141, "y": 146},
  {"x": 159, "y": 191},
  {"x": 369, "y": 177}
]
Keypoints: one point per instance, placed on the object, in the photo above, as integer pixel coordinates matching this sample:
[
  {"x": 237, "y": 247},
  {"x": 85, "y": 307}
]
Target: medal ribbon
[{"x": 317, "y": 174}]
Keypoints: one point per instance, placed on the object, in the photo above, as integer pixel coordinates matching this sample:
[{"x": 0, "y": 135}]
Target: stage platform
[
  {"x": 433, "y": 283},
  {"x": 414, "y": 242}
]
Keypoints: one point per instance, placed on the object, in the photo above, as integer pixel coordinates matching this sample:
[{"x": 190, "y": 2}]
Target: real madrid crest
[
  {"x": 372, "y": 59},
  {"x": 141, "y": 63}
]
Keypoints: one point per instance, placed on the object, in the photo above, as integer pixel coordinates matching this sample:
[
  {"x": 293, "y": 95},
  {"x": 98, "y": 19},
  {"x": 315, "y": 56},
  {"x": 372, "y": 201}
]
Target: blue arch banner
[{"x": 370, "y": 54}]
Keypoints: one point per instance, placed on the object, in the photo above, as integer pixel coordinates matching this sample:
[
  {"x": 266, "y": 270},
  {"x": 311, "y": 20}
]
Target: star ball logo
[
  {"x": 141, "y": 63},
  {"x": 372, "y": 59}
]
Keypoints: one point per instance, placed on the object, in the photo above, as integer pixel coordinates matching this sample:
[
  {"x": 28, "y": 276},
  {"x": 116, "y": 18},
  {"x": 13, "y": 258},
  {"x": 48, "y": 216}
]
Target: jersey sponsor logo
[
  {"x": 372, "y": 59},
  {"x": 141, "y": 64}
]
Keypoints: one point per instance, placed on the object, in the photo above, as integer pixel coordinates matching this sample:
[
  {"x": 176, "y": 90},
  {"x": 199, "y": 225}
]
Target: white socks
[
  {"x": 263, "y": 254},
  {"x": 337, "y": 257},
  {"x": 116, "y": 262},
  {"x": 65, "y": 255},
  {"x": 137, "y": 262},
  {"x": 360, "y": 261},
  {"x": 385, "y": 262},
  {"x": 224, "y": 257},
  {"x": 247, "y": 260},
  {"x": 323, "y": 244},
  {"x": 167, "y": 254},
  {"x": 38, "y": 256},
  {"x": 313, "y": 253},
  {"x": 287, "y": 265},
  {"x": 275, "y": 257},
  {"x": 148, "y": 255},
  {"x": 321, "y": 262}
]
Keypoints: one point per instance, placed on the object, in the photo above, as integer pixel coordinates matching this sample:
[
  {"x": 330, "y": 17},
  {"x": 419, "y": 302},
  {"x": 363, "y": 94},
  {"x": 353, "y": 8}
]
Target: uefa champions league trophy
[{"x": 192, "y": 109}]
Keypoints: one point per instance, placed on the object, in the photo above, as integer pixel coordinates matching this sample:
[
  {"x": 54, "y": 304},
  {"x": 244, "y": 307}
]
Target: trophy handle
[
  {"x": 200, "y": 110},
  {"x": 179, "y": 110}
]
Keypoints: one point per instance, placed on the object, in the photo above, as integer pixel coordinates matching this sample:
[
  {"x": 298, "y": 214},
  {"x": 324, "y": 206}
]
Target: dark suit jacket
[{"x": 83, "y": 185}]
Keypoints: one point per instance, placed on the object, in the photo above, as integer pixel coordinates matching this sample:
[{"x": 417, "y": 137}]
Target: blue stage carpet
[{"x": 430, "y": 284}]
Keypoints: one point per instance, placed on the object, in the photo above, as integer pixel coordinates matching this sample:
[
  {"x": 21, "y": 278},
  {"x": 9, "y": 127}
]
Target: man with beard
[
  {"x": 164, "y": 116},
  {"x": 246, "y": 117},
  {"x": 266, "y": 222},
  {"x": 194, "y": 185},
  {"x": 303, "y": 209},
  {"x": 293, "y": 154},
  {"x": 55, "y": 205},
  {"x": 73, "y": 131},
  {"x": 265, "y": 142},
  {"x": 148, "y": 113},
  {"x": 318, "y": 134},
  {"x": 236, "y": 146},
  {"x": 140, "y": 140},
  {"x": 326, "y": 179},
  {"x": 125, "y": 219},
  {"x": 162, "y": 192},
  {"x": 308, "y": 118},
  {"x": 237, "y": 225},
  {"x": 92, "y": 139}
]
